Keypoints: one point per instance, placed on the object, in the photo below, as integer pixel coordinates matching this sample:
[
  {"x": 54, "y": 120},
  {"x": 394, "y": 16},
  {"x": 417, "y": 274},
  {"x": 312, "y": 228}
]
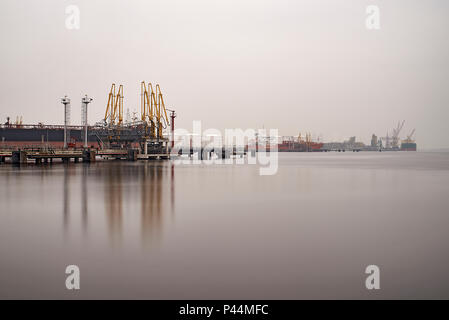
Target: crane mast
[{"x": 114, "y": 107}]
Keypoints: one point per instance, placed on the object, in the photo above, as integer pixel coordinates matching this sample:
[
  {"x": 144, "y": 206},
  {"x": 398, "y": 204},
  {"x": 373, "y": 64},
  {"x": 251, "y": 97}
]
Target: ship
[
  {"x": 295, "y": 146},
  {"x": 19, "y": 135},
  {"x": 291, "y": 144},
  {"x": 408, "y": 144}
]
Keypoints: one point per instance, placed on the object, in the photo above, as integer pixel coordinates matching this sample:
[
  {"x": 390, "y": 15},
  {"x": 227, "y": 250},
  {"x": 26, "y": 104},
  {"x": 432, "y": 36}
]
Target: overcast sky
[{"x": 293, "y": 65}]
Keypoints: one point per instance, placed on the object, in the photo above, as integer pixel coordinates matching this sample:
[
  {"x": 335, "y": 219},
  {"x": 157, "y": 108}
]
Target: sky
[{"x": 296, "y": 66}]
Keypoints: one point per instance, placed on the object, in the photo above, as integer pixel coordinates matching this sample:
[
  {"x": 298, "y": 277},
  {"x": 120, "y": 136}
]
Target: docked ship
[
  {"x": 408, "y": 144},
  {"x": 20, "y": 135},
  {"x": 291, "y": 144},
  {"x": 286, "y": 144}
]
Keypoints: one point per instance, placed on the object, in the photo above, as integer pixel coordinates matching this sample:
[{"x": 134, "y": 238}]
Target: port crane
[
  {"x": 147, "y": 107},
  {"x": 409, "y": 136},
  {"x": 161, "y": 113},
  {"x": 396, "y": 131},
  {"x": 114, "y": 108},
  {"x": 393, "y": 140},
  {"x": 153, "y": 109}
]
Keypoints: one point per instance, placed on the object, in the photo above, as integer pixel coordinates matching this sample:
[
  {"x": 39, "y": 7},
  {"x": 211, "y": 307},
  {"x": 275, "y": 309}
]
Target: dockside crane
[
  {"x": 161, "y": 113},
  {"x": 147, "y": 107},
  {"x": 114, "y": 107},
  {"x": 396, "y": 131},
  {"x": 409, "y": 137}
]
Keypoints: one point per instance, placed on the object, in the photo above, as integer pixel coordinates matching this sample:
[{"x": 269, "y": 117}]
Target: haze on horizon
[{"x": 298, "y": 66}]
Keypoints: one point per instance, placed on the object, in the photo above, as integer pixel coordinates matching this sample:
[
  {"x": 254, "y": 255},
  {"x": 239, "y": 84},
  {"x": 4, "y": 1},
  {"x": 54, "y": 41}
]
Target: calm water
[{"x": 157, "y": 230}]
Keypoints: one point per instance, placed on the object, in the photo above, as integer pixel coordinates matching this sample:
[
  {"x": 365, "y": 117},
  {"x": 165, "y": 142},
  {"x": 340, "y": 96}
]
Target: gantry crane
[
  {"x": 161, "y": 113},
  {"x": 396, "y": 131},
  {"x": 148, "y": 105},
  {"x": 146, "y": 131},
  {"x": 409, "y": 137},
  {"x": 114, "y": 108},
  {"x": 153, "y": 109}
]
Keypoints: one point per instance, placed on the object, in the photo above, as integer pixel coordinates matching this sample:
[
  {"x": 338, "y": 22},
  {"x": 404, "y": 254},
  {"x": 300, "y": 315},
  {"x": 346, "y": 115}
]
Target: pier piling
[
  {"x": 132, "y": 155},
  {"x": 19, "y": 157},
  {"x": 89, "y": 156}
]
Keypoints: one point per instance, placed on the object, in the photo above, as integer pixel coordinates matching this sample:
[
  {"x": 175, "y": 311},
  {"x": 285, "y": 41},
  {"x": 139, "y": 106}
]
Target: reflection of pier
[
  {"x": 84, "y": 196},
  {"x": 129, "y": 189},
  {"x": 153, "y": 182},
  {"x": 151, "y": 201},
  {"x": 157, "y": 189},
  {"x": 68, "y": 171},
  {"x": 66, "y": 203},
  {"x": 113, "y": 201}
]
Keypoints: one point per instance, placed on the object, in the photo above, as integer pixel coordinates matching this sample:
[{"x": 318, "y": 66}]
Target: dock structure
[
  {"x": 113, "y": 138},
  {"x": 48, "y": 156},
  {"x": 206, "y": 153}
]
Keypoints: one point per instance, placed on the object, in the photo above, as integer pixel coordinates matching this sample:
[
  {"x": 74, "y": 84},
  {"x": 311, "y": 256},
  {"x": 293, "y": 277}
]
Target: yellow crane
[
  {"x": 147, "y": 107},
  {"x": 152, "y": 109},
  {"x": 409, "y": 137},
  {"x": 114, "y": 108},
  {"x": 307, "y": 138},
  {"x": 161, "y": 112}
]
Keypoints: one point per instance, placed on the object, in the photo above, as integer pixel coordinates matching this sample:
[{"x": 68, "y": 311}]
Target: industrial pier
[
  {"x": 139, "y": 138},
  {"x": 111, "y": 138},
  {"x": 143, "y": 138}
]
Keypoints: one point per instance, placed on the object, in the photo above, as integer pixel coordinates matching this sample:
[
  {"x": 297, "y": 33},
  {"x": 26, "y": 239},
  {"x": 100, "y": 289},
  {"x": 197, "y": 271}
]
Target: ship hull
[
  {"x": 291, "y": 146},
  {"x": 408, "y": 146},
  {"x": 22, "y": 137}
]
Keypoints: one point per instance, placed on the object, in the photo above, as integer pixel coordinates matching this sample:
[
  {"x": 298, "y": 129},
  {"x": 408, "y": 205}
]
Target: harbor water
[{"x": 160, "y": 230}]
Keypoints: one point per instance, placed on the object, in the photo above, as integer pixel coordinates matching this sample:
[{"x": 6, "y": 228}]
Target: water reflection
[
  {"x": 113, "y": 201},
  {"x": 143, "y": 190},
  {"x": 84, "y": 196},
  {"x": 66, "y": 197},
  {"x": 152, "y": 188}
]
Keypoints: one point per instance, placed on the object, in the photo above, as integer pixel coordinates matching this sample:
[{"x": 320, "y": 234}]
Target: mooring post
[
  {"x": 132, "y": 155},
  {"x": 19, "y": 157},
  {"x": 145, "y": 147},
  {"x": 89, "y": 155}
]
